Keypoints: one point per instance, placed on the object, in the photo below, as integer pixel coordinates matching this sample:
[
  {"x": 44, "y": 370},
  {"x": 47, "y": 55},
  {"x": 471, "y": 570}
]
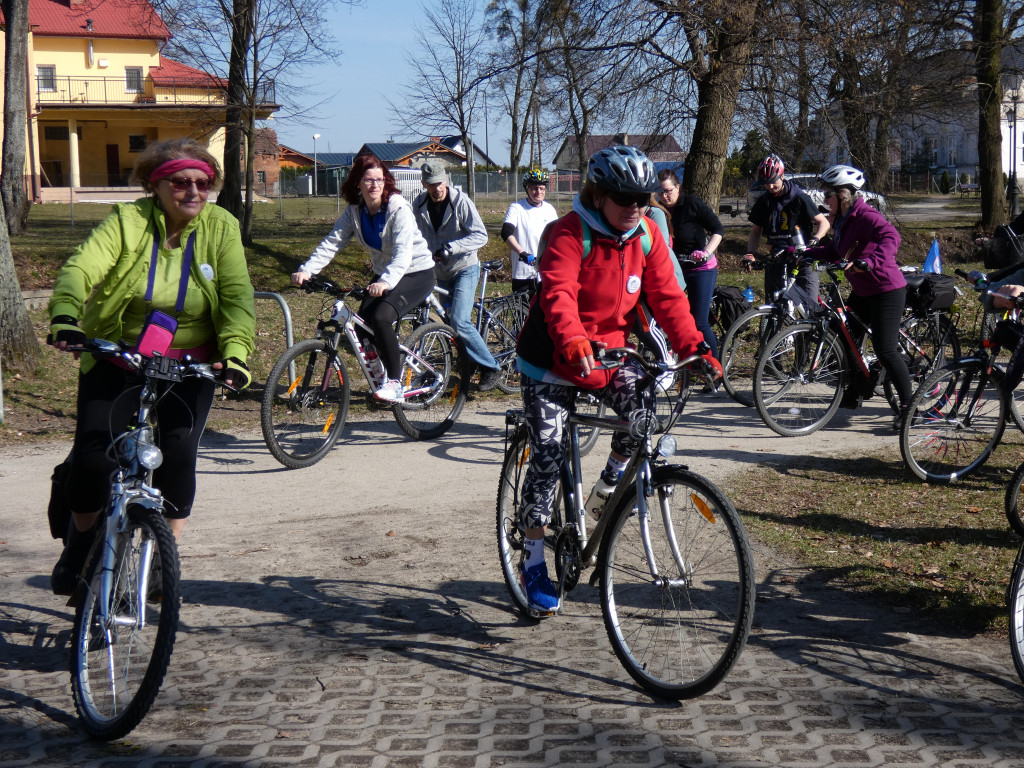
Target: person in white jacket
[
  {"x": 403, "y": 269},
  {"x": 454, "y": 232}
]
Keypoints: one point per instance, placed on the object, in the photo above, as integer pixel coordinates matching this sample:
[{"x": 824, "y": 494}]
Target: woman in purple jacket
[{"x": 862, "y": 237}]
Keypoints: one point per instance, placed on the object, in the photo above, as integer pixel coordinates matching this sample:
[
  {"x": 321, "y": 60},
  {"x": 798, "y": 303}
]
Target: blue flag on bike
[{"x": 933, "y": 262}]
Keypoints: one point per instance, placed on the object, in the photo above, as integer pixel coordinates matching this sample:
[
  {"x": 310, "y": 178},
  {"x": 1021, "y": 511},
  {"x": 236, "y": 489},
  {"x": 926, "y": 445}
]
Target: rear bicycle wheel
[
  {"x": 588, "y": 404},
  {"x": 679, "y": 631},
  {"x": 933, "y": 342},
  {"x": 1013, "y": 502},
  {"x": 302, "y": 416},
  {"x": 434, "y": 376},
  {"x": 117, "y": 666},
  {"x": 502, "y": 332},
  {"x": 509, "y": 528},
  {"x": 799, "y": 379},
  {"x": 955, "y": 420},
  {"x": 740, "y": 349},
  {"x": 1015, "y": 604}
]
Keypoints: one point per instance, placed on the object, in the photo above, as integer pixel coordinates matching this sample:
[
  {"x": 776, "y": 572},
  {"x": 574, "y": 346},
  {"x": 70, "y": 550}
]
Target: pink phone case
[{"x": 157, "y": 335}]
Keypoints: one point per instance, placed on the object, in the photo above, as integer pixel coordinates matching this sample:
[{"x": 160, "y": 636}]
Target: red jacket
[{"x": 596, "y": 298}]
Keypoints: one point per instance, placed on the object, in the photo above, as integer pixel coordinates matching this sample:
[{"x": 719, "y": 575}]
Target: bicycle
[
  {"x": 128, "y": 601},
  {"x": 671, "y": 554},
  {"x": 957, "y": 416},
  {"x": 806, "y": 371},
  {"x": 1015, "y": 604},
  {"x": 306, "y": 400}
]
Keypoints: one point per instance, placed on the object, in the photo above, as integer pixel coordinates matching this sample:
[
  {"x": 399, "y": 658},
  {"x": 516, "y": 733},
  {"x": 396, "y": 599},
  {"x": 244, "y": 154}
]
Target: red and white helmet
[{"x": 771, "y": 169}]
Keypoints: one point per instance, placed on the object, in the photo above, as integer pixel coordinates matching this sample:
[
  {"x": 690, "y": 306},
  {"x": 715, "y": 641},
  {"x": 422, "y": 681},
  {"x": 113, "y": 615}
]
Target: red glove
[
  {"x": 578, "y": 349},
  {"x": 716, "y": 366}
]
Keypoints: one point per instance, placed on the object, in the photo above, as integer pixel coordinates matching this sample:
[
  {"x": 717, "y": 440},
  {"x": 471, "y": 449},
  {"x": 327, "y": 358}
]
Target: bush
[{"x": 944, "y": 183}]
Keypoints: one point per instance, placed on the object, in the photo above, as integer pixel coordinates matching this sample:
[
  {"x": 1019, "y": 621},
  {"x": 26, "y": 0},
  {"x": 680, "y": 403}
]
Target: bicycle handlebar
[
  {"x": 157, "y": 367},
  {"x": 615, "y": 355},
  {"x": 319, "y": 284}
]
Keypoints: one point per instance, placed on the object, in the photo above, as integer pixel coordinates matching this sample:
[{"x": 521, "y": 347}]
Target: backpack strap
[{"x": 588, "y": 238}]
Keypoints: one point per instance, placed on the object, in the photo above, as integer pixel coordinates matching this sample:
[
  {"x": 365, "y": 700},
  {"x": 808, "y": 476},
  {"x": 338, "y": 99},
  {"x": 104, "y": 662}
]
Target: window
[
  {"x": 136, "y": 143},
  {"x": 59, "y": 132},
  {"x": 261, "y": 177},
  {"x": 133, "y": 79},
  {"x": 46, "y": 78}
]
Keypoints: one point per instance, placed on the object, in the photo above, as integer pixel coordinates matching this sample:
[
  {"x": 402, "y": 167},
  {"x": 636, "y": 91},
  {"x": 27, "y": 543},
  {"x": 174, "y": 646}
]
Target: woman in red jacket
[{"x": 587, "y": 302}]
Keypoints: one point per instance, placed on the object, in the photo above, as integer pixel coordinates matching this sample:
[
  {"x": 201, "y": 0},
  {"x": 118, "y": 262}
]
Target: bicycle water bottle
[
  {"x": 798, "y": 240},
  {"x": 599, "y": 495},
  {"x": 748, "y": 294}
]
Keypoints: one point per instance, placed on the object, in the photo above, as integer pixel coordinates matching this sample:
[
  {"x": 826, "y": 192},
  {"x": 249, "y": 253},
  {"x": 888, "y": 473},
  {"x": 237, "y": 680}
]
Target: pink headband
[{"x": 164, "y": 170}]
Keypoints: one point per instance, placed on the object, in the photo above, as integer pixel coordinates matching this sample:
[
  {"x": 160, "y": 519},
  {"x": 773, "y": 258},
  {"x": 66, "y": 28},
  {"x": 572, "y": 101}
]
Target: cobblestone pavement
[{"x": 353, "y": 614}]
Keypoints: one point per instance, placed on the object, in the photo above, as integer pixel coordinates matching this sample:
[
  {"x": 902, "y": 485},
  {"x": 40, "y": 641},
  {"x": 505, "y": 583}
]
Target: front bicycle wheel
[
  {"x": 502, "y": 332},
  {"x": 1013, "y": 501},
  {"x": 799, "y": 379},
  {"x": 305, "y": 403},
  {"x": 956, "y": 419},
  {"x": 677, "y": 606},
  {"x": 510, "y": 530},
  {"x": 1015, "y": 604},
  {"x": 434, "y": 377},
  {"x": 589, "y": 404},
  {"x": 118, "y": 664},
  {"x": 740, "y": 348}
]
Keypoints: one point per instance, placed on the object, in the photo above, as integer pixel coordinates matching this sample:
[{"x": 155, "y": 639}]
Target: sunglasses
[
  {"x": 830, "y": 193},
  {"x": 625, "y": 200},
  {"x": 180, "y": 185}
]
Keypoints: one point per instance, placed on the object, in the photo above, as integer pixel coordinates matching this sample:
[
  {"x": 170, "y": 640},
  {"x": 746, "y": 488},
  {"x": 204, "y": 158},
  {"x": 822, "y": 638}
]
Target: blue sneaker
[{"x": 541, "y": 594}]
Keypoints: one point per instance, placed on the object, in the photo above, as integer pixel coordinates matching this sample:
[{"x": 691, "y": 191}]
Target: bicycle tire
[
  {"x": 928, "y": 334},
  {"x": 1013, "y": 500},
  {"x": 437, "y": 369},
  {"x": 508, "y": 528},
  {"x": 679, "y": 639},
  {"x": 740, "y": 349},
  {"x": 500, "y": 335},
  {"x": 116, "y": 672},
  {"x": 1015, "y": 604},
  {"x": 792, "y": 399},
  {"x": 988, "y": 323},
  {"x": 589, "y": 404},
  {"x": 303, "y": 417},
  {"x": 956, "y": 419}
]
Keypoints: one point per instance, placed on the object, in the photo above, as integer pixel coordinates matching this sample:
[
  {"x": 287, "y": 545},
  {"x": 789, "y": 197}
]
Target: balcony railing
[{"x": 116, "y": 90}]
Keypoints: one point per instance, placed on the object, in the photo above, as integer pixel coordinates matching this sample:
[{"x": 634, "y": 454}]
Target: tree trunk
[
  {"x": 19, "y": 347},
  {"x": 230, "y": 196},
  {"x": 988, "y": 36},
  {"x": 12, "y": 176}
]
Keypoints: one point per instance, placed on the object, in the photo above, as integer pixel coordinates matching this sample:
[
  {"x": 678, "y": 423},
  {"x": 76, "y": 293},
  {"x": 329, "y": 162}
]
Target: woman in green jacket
[{"x": 168, "y": 252}]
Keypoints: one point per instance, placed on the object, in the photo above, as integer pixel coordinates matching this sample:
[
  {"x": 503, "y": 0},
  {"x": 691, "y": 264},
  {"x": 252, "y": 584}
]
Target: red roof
[
  {"x": 171, "y": 73},
  {"x": 110, "y": 18}
]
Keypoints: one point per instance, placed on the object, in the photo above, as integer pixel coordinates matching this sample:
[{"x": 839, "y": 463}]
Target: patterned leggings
[{"x": 546, "y": 407}]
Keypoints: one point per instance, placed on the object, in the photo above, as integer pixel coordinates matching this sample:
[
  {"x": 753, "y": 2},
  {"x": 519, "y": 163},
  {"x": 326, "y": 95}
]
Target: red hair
[{"x": 362, "y": 163}]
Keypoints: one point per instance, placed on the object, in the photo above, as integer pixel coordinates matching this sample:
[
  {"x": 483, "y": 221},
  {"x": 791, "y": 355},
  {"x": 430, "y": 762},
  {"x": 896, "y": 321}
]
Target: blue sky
[{"x": 372, "y": 67}]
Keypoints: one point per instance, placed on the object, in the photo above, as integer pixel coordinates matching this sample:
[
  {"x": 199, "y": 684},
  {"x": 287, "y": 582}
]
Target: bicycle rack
[{"x": 286, "y": 311}]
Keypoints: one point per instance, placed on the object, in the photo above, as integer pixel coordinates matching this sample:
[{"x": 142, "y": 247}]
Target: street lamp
[{"x": 315, "y": 137}]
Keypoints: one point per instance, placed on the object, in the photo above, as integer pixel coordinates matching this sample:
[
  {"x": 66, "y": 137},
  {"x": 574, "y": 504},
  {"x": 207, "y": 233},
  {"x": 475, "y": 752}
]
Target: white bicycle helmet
[
  {"x": 622, "y": 169},
  {"x": 843, "y": 176}
]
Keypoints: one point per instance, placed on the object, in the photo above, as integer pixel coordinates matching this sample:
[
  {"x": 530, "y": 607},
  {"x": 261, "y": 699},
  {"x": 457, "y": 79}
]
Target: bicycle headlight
[
  {"x": 667, "y": 446},
  {"x": 146, "y": 451}
]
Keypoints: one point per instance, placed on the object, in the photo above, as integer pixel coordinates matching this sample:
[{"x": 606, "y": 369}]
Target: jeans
[
  {"x": 461, "y": 295},
  {"x": 700, "y": 286}
]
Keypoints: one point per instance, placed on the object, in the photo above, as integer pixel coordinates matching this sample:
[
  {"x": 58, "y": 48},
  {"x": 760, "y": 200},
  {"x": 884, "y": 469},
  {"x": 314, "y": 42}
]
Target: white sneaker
[{"x": 391, "y": 392}]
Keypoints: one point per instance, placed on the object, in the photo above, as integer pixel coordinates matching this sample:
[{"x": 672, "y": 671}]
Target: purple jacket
[{"x": 865, "y": 234}]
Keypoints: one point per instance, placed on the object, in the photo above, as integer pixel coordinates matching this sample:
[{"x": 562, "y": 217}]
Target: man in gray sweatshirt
[{"x": 455, "y": 232}]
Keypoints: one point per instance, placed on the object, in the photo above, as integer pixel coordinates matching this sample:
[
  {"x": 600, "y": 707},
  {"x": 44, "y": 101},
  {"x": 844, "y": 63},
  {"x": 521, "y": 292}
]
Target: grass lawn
[{"x": 862, "y": 519}]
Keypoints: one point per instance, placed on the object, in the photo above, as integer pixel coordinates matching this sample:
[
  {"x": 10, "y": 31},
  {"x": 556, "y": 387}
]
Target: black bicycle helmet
[
  {"x": 622, "y": 169},
  {"x": 535, "y": 176}
]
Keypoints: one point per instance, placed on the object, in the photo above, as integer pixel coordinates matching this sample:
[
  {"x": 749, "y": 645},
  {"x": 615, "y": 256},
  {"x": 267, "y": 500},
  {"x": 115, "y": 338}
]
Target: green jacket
[{"x": 111, "y": 268}]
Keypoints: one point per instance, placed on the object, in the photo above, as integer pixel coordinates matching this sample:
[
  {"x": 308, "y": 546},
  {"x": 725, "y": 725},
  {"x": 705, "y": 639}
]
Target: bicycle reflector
[{"x": 703, "y": 507}]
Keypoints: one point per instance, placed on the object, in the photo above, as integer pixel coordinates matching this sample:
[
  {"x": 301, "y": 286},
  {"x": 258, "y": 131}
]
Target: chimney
[{"x": 622, "y": 138}]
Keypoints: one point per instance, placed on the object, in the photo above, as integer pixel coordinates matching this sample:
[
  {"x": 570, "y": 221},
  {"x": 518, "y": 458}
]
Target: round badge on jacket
[
  {"x": 207, "y": 271},
  {"x": 633, "y": 284}
]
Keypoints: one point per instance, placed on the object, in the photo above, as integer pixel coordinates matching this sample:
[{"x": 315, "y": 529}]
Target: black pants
[
  {"x": 382, "y": 312},
  {"x": 107, "y": 401},
  {"x": 884, "y": 313}
]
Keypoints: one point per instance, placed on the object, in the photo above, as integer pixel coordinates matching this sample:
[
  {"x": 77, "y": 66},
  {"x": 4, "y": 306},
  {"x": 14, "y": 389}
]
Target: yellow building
[{"x": 99, "y": 91}]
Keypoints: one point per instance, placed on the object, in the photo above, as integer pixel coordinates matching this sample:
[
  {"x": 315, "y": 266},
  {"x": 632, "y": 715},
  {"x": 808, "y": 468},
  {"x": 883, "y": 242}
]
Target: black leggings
[
  {"x": 382, "y": 312},
  {"x": 107, "y": 400},
  {"x": 884, "y": 313}
]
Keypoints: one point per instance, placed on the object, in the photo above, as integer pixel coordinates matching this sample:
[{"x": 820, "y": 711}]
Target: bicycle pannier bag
[
  {"x": 1007, "y": 334},
  {"x": 58, "y": 512},
  {"x": 731, "y": 304},
  {"x": 936, "y": 292}
]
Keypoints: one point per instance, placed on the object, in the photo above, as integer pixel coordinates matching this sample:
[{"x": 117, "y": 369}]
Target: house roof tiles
[
  {"x": 110, "y": 18},
  {"x": 172, "y": 72}
]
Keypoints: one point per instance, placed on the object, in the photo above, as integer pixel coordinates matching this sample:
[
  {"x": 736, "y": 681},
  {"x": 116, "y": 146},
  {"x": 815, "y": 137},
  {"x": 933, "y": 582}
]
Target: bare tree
[
  {"x": 448, "y": 59},
  {"x": 262, "y": 45},
  {"x": 19, "y": 347},
  {"x": 12, "y": 176}
]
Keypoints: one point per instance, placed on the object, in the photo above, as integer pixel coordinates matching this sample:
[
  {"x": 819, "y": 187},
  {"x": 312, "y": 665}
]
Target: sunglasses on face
[
  {"x": 830, "y": 193},
  {"x": 625, "y": 200},
  {"x": 180, "y": 184}
]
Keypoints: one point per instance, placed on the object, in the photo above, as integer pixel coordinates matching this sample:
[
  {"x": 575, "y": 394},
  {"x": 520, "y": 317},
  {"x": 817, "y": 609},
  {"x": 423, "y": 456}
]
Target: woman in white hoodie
[{"x": 403, "y": 268}]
